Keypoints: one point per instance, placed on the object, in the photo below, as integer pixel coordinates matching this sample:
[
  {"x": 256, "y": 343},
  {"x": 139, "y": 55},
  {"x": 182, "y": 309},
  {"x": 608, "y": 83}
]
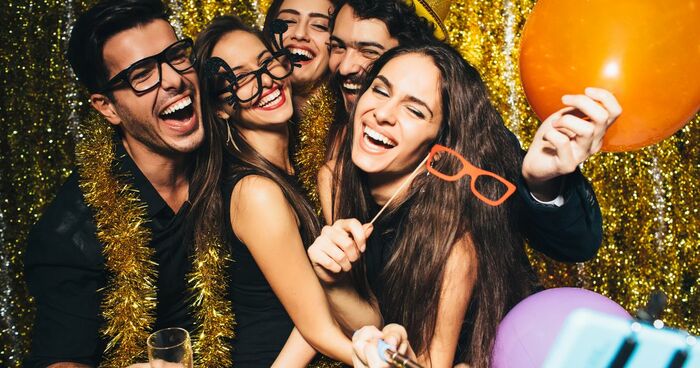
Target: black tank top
[
  {"x": 380, "y": 248},
  {"x": 263, "y": 326}
]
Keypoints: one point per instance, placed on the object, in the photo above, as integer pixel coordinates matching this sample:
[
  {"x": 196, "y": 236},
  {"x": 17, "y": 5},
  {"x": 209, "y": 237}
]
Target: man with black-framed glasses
[{"x": 142, "y": 83}]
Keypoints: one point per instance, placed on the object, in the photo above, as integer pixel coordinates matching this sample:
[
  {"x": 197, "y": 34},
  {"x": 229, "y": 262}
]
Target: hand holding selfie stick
[{"x": 389, "y": 354}]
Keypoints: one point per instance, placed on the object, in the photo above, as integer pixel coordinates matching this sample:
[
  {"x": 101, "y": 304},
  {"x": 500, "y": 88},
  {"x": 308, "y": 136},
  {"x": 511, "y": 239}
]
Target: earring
[{"x": 229, "y": 139}]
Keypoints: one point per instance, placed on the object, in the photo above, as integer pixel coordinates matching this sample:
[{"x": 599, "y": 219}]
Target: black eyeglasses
[
  {"x": 145, "y": 74},
  {"x": 248, "y": 86}
]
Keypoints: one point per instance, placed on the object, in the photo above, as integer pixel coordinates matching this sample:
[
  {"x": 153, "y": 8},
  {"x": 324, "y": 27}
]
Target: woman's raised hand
[{"x": 334, "y": 251}]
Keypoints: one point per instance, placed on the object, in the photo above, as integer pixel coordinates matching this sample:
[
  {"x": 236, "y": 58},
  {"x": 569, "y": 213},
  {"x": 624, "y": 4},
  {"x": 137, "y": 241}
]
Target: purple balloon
[{"x": 528, "y": 331}]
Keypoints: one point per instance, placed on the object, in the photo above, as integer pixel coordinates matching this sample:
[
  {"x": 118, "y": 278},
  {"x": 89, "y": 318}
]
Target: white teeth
[
  {"x": 378, "y": 136},
  {"x": 178, "y": 106},
  {"x": 270, "y": 98},
  {"x": 301, "y": 52},
  {"x": 351, "y": 86}
]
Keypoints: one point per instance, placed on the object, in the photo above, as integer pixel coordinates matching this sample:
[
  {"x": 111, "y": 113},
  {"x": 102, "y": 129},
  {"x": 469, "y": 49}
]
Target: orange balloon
[{"x": 647, "y": 52}]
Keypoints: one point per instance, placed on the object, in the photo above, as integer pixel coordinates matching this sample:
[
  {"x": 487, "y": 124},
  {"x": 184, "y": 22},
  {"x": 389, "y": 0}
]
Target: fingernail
[{"x": 391, "y": 341}]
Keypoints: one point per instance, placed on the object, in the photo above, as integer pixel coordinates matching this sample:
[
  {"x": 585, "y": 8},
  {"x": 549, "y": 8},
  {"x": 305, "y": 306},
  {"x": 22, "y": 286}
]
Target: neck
[
  {"x": 383, "y": 186},
  {"x": 273, "y": 144},
  {"x": 299, "y": 103},
  {"x": 167, "y": 174}
]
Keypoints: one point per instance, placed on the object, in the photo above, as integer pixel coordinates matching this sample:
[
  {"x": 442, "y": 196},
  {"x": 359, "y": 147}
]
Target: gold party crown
[{"x": 436, "y": 12}]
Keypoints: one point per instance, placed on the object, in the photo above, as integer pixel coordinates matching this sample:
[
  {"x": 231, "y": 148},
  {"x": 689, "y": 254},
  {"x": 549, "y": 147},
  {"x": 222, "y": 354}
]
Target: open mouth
[
  {"x": 180, "y": 111},
  {"x": 271, "y": 100},
  {"x": 377, "y": 140},
  {"x": 302, "y": 55}
]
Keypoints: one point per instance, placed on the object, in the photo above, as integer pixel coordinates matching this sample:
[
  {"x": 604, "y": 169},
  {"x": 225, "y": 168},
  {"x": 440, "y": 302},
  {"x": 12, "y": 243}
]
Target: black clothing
[
  {"x": 570, "y": 233},
  {"x": 65, "y": 271},
  {"x": 263, "y": 325}
]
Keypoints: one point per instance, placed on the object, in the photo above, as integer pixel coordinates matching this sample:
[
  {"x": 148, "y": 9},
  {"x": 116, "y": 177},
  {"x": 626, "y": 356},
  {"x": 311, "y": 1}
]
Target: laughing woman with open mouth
[{"x": 246, "y": 98}]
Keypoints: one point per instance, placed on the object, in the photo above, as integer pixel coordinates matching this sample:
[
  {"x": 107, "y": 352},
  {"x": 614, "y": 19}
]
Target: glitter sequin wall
[{"x": 649, "y": 198}]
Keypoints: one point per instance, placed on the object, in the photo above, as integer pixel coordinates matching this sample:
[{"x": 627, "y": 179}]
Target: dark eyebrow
[
  {"x": 410, "y": 98},
  {"x": 290, "y": 11},
  {"x": 296, "y": 12},
  {"x": 362, "y": 44},
  {"x": 338, "y": 40},
  {"x": 319, "y": 15}
]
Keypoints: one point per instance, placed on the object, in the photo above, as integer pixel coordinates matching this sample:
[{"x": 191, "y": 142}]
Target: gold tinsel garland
[
  {"x": 130, "y": 297},
  {"x": 316, "y": 118},
  {"x": 213, "y": 314}
]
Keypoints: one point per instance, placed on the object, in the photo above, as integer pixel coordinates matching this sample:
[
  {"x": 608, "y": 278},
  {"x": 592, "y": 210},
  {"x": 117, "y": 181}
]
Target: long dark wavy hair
[
  {"x": 239, "y": 157},
  {"x": 436, "y": 214}
]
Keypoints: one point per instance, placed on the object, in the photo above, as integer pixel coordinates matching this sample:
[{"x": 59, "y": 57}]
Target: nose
[
  {"x": 300, "y": 31},
  {"x": 265, "y": 81},
  {"x": 385, "y": 113},
  {"x": 351, "y": 63},
  {"x": 170, "y": 79}
]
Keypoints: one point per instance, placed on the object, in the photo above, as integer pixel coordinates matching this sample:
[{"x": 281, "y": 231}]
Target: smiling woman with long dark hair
[
  {"x": 440, "y": 261},
  {"x": 246, "y": 99}
]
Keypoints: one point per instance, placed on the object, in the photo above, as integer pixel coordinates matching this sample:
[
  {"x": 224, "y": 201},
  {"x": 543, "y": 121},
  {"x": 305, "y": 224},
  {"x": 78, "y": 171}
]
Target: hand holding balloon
[
  {"x": 564, "y": 140},
  {"x": 644, "y": 51}
]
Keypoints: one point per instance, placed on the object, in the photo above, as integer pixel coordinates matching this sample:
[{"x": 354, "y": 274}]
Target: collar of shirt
[{"x": 156, "y": 207}]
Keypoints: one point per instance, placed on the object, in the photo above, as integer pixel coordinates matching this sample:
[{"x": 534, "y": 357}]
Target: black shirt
[{"x": 65, "y": 272}]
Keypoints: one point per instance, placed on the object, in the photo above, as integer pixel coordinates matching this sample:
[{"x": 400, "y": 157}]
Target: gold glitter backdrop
[{"x": 649, "y": 198}]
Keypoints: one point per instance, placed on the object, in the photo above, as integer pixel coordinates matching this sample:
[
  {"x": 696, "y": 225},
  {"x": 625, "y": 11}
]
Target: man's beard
[
  {"x": 337, "y": 81},
  {"x": 143, "y": 132}
]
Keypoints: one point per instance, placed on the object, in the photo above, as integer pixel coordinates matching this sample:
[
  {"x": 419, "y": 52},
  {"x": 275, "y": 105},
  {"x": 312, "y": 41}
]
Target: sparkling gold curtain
[{"x": 649, "y": 198}]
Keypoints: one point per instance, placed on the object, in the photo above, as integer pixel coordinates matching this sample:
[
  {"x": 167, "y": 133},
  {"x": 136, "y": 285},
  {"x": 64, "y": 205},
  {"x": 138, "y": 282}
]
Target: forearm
[
  {"x": 350, "y": 309},
  {"x": 296, "y": 352}
]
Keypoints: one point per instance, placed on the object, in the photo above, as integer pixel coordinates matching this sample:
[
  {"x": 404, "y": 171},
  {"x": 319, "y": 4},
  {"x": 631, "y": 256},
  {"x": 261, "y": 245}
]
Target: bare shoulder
[
  {"x": 462, "y": 263},
  {"x": 325, "y": 173},
  {"x": 256, "y": 193}
]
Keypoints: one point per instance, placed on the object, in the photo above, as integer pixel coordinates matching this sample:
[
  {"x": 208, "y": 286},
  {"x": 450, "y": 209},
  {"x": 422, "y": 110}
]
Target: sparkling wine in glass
[{"x": 170, "y": 348}]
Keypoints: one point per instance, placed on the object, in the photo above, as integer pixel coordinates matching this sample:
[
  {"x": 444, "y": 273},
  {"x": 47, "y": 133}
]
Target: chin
[
  {"x": 367, "y": 163},
  {"x": 190, "y": 143},
  {"x": 303, "y": 77}
]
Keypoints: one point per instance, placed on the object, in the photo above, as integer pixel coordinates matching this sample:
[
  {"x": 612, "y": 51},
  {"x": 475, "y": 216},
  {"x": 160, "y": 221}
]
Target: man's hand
[{"x": 564, "y": 140}]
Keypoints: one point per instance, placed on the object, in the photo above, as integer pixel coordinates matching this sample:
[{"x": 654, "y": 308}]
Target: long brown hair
[
  {"x": 436, "y": 214},
  {"x": 239, "y": 157}
]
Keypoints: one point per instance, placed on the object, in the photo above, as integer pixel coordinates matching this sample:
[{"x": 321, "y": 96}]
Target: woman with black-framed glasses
[{"x": 246, "y": 100}]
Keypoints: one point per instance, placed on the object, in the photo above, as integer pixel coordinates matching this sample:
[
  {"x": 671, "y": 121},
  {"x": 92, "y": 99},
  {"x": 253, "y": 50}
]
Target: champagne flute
[{"x": 170, "y": 348}]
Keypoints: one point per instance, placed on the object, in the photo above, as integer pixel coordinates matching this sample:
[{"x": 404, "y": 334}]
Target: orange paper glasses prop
[
  {"x": 473, "y": 172},
  {"x": 467, "y": 169}
]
